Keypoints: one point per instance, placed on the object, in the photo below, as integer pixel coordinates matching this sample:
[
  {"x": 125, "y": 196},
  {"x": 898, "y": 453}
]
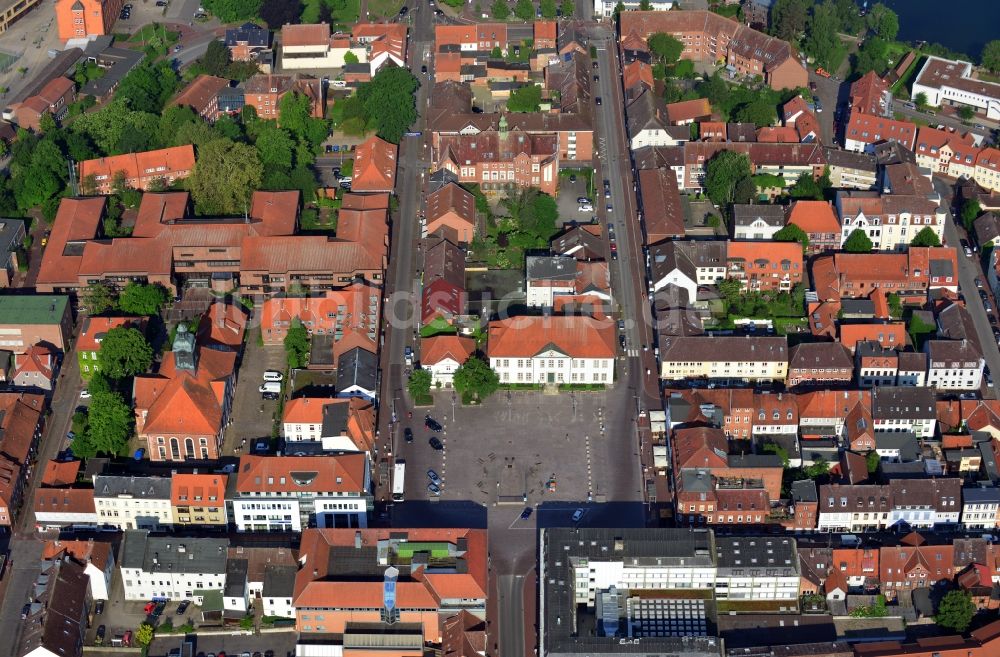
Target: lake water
[{"x": 961, "y": 25}]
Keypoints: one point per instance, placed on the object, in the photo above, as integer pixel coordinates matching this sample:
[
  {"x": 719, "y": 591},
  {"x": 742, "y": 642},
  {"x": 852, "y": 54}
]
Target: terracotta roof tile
[
  {"x": 576, "y": 336},
  {"x": 344, "y": 473}
]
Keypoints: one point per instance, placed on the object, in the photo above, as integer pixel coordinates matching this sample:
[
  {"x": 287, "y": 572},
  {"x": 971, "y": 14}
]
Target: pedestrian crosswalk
[{"x": 632, "y": 353}]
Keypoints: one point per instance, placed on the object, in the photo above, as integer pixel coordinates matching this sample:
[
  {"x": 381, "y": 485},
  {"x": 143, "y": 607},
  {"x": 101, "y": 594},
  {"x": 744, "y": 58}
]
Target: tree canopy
[
  {"x": 143, "y": 300},
  {"x": 858, "y": 242},
  {"x": 419, "y": 383},
  {"x": 99, "y": 298},
  {"x": 792, "y": 233},
  {"x": 525, "y": 99},
  {"x": 385, "y": 104},
  {"x": 723, "y": 176},
  {"x": 224, "y": 177},
  {"x": 124, "y": 352},
  {"x": 475, "y": 380},
  {"x": 500, "y": 10},
  {"x": 665, "y": 47},
  {"x": 991, "y": 56},
  {"x": 883, "y": 22},
  {"x": 297, "y": 345},
  {"x": 232, "y": 11},
  {"x": 524, "y": 9},
  {"x": 971, "y": 210},
  {"x": 926, "y": 237},
  {"x": 789, "y": 18},
  {"x": 821, "y": 41},
  {"x": 955, "y": 611},
  {"x": 109, "y": 424}
]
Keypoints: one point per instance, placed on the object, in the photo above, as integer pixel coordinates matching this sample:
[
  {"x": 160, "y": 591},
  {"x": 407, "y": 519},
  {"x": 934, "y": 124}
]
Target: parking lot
[
  {"x": 121, "y": 615},
  {"x": 253, "y": 416},
  {"x": 569, "y": 207}
]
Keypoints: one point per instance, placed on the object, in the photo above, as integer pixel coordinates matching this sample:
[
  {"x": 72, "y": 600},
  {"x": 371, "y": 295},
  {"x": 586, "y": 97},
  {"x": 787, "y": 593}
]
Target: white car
[
  {"x": 84, "y": 394},
  {"x": 273, "y": 375},
  {"x": 585, "y": 208},
  {"x": 270, "y": 386}
]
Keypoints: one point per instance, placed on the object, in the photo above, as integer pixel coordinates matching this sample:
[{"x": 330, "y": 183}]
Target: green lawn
[
  {"x": 384, "y": 8},
  {"x": 154, "y": 30},
  {"x": 343, "y": 12},
  {"x": 437, "y": 326}
]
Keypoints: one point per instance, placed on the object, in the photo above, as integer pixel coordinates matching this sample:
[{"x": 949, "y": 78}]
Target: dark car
[
  {"x": 596, "y": 78},
  {"x": 423, "y": 69},
  {"x": 598, "y": 100},
  {"x": 435, "y": 443},
  {"x": 99, "y": 608},
  {"x": 404, "y": 10},
  {"x": 526, "y": 513},
  {"x": 432, "y": 424},
  {"x": 408, "y": 434},
  {"x": 433, "y": 476},
  {"x": 25, "y": 610},
  {"x": 99, "y": 635},
  {"x": 621, "y": 341},
  {"x": 182, "y": 607}
]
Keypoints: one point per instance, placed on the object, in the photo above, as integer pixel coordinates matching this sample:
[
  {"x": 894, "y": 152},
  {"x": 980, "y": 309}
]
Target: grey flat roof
[
  {"x": 173, "y": 554},
  {"x": 150, "y": 488},
  {"x": 777, "y": 552}
]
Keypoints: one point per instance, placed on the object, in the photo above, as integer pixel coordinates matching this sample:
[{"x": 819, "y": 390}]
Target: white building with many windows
[
  {"x": 954, "y": 365},
  {"x": 133, "y": 502},
  {"x": 171, "y": 568},
  {"x": 606, "y": 8},
  {"x": 950, "y": 82},
  {"x": 553, "y": 349},
  {"x": 287, "y": 493},
  {"x": 757, "y": 568},
  {"x": 980, "y": 507}
]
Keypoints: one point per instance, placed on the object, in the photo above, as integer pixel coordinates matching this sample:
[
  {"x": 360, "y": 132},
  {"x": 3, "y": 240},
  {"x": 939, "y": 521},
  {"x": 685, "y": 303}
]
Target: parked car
[
  {"x": 432, "y": 424},
  {"x": 598, "y": 101},
  {"x": 99, "y": 608},
  {"x": 70, "y": 435},
  {"x": 161, "y": 3},
  {"x": 99, "y": 635},
  {"x": 435, "y": 443},
  {"x": 182, "y": 607},
  {"x": 403, "y": 11},
  {"x": 979, "y": 283},
  {"x": 526, "y": 513},
  {"x": 583, "y": 200},
  {"x": 25, "y": 610},
  {"x": 585, "y": 208},
  {"x": 139, "y": 454},
  {"x": 433, "y": 476},
  {"x": 423, "y": 69},
  {"x": 273, "y": 375},
  {"x": 578, "y": 514},
  {"x": 434, "y": 489},
  {"x": 84, "y": 394},
  {"x": 408, "y": 434},
  {"x": 270, "y": 386},
  {"x": 127, "y": 639}
]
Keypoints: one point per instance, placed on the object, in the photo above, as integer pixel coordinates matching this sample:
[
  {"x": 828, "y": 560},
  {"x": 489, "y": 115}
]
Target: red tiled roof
[
  {"x": 98, "y": 553},
  {"x": 576, "y": 336},
  {"x": 374, "y": 166},
  {"x": 866, "y": 94},
  {"x": 60, "y": 473},
  {"x": 814, "y": 217},
  {"x": 201, "y": 92},
  {"x": 870, "y": 129},
  {"x": 891, "y": 335},
  {"x": 343, "y": 473},
  {"x": 64, "y": 500},
  {"x": 77, "y": 220},
  {"x": 165, "y": 162},
  {"x": 208, "y": 490},
  {"x": 315, "y": 34},
  {"x": 435, "y": 349},
  {"x": 688, "y": 110}
]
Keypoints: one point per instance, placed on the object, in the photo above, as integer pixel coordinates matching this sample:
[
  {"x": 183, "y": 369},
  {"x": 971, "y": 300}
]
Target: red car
[{"x": 148, "y": 609}]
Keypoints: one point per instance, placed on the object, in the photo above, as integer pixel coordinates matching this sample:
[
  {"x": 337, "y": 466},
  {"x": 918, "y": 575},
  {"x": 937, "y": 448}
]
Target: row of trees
[
  {"x": 525, "y": 9},
  {"x": 474, "y": 380}
]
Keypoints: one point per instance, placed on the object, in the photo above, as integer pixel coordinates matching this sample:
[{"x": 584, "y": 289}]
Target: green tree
[
  {"x": 883, "y": 21},
  {"x": 779, "y": 451},
  {"x": 275, "y": 148},
  {"x": 991, "y": 56},
  {"x": 387, "y": 104},
  {"x": 821, "y": 37},
  {"x": 926, "y": 237},
  {"x": 148, "y": 87},
  {"x": 295, "y": 115},
  {"x": 873, "y": 56},
  {"x": 955, "y": 611},
  {"x": 215, "y": 61},
  {"x": 619, "y": 8},
  {"x": 99, "y": 298},
  {"x": 872, "y": 461},
  {"x": 232, "y": 11},
  {"x": 110, "y": 422},
  {"x": 966, "y": 113},
  {"x": 792, "y": 233},
  {"x": 224, "y": 177},
  {"x": 759, "y": 111},
  {"x": 789, "y": 18},
  {"x": 144, "y": 633},
  {"x": 297, "y": 345},
  {"x": 142, "y": 300},
  {"x": 645, "y": 5},
  {"x": 124, "y": 352},
  {"x": 548, "y": 8},
  {"x": 806, "y": 187},
  {"x": 858, "y": 242},
  {"x": 970, "y": 212},
  {"x": 419, "y": 384},
  {"x": 819, "y": 469},
  {"x": 500, "y": 10},
  {"x": 525, "y": 99},
  {"x": 722, "y": 174},
  {"x": 665, "y": 47},
  {"x": 475, "y": 380},
  {"x": 920, "y": 100},
  {"x": 568, "y": 8},
  {"x": 895, "y": 305},
  {"x": 524, "y": 10},
  {"x": 350, "y": 58}
]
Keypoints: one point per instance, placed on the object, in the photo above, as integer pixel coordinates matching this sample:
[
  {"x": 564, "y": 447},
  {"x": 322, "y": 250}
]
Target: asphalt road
[
  {"x": 628, "y": 271},
  {"x": 939, "y": 118},
  {"x": 968, "y": 271}
]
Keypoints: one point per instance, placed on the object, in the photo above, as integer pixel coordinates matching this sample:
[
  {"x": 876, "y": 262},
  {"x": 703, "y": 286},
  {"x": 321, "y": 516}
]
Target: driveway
[{"x": 252, "y": 416}]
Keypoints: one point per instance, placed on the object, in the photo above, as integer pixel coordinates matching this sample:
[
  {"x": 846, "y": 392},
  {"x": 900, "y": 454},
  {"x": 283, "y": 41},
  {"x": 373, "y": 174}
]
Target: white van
[
  {"x": 273, "y": 375},
  {"x": 270, "y": 386}
]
